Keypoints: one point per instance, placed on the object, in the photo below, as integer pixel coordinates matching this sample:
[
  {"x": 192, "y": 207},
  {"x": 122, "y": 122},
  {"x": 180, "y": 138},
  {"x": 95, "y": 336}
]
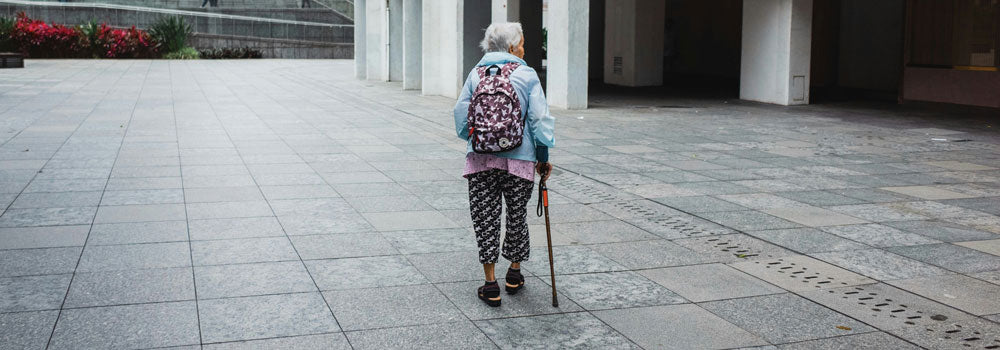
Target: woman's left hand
[{"x": 544, "y": 169}]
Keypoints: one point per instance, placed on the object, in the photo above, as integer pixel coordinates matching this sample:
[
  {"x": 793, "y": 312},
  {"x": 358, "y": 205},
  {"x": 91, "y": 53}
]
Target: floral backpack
[{"x": 495, "y": 121}]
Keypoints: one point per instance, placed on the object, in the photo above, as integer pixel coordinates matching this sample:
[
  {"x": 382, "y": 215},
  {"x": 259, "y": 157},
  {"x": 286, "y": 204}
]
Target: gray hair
[{"x": 501, "y": 36}]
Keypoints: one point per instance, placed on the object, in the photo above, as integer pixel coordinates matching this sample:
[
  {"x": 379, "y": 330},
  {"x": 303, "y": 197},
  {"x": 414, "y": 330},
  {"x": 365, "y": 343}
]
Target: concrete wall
[
  {"x": 776, "y": 46},
  {"x": 871, "y": 44},
  {"x": 200, "y": 22},
  {"x": 441, "y": 48},
  {"x": 633, "y": 42},
  {"x": 275, "y": 48},
  {"x": 319, "y": 15}
]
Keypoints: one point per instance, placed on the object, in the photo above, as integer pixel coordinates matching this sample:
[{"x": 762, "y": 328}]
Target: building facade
[{"x": 785, "y": 52}]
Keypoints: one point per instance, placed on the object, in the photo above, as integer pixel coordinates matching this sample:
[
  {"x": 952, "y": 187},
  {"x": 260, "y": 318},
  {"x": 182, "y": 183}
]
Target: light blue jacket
[{"x": 539, "y": 124}]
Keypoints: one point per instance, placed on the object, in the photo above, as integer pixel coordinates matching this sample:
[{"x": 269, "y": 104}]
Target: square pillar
[
  {"x": 395, "y": 30},
  {"x": 412, "y": 14},
  {"x": 566, "y": 74},
  {"x": 376, "y": 40},
  {"x": 777, "y": 39},
  {"x": 441, "y": 47},
  {"x": 633, "y": 42},
  {"x": 505, "y": 10},
  {"x": 360, "y": 68}
]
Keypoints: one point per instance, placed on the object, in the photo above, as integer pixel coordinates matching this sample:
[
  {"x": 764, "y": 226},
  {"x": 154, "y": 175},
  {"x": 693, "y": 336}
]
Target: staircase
[{"x": 278, "y": 32}]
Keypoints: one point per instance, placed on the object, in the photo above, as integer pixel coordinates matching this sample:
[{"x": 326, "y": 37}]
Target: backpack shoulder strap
[{"x": 509, "y": 68}]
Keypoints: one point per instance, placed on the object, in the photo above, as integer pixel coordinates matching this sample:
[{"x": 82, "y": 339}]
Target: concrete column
[
  {"x": 777, "y": 38},
  {"x": 441, "y": 47},
  {"x": 412, "y": 14},
  {"x": 376, "y": 40},
  {"x": 360, "y": 68},
  {"x": 506, "y": 10},
  {"x": 395, "y": 40},
  {"x": 633, "y": 42},
  {"x": 568, "y": 26}
]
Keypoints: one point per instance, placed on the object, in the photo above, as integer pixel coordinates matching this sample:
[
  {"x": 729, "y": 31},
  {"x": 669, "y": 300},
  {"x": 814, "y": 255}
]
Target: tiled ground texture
[{"x": 284, "y": 204}]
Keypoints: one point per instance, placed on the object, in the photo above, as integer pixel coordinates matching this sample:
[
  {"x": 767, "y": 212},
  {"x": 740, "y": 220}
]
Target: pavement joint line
[
  {"x": 125, "y": 126},
  {"x": 271, "y": 208}
]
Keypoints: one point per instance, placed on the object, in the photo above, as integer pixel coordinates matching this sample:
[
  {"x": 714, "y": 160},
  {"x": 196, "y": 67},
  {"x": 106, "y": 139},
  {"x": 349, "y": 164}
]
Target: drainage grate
[
  {"x": 965, "y": 334},
  {"x": 633, "y": 209},
  {"x": 586, "y": 191},
  {"x": 801, "y": 273},
  {"x": 886, "y": 307},
  {"x": 731, "y": 248},
  {"x": 674, "y": 227}
]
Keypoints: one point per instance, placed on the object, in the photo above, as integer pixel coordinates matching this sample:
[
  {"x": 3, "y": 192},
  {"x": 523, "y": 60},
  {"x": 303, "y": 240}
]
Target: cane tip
[{"x": 555, "y": 303}]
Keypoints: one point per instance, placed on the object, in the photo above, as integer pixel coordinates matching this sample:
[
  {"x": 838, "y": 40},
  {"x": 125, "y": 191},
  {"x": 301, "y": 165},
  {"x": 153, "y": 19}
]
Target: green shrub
[
  {"x": 187, "y": 53},
  {"x": 91, "y": 35},
  {"x": 171, "y": 33},
  {"x": 6, "y": 32}
]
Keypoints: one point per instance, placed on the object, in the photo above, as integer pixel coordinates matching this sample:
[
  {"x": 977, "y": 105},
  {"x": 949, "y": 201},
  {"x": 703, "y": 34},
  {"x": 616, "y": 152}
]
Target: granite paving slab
[
  {"x": 807, "y": 240},
  {"x": 942, "y": 231},
  {"x": 684, "y": 326},
  {"x": 877, "y": 235},
  {"x": 267, "y": 316},
  {"x": 138, "y": 232},
  {"x": 43, "y": 237},
  {"x": 961, "y": 292},
  {"x": 211, "y": 229},
  {"x": 562, "y": 331},
  {"x": 952, "y": 257},
  {"x": 360, "y": 309},
  {"x": 879, "y": 264},
  {"x": 699, "y": 283},
  {"x": 335, "y": 341},
  {"x": 454, "y": 335},
  {"x": 813, "y": 216},
  {"x": 136, "y": 256},
  {"x": 368, "y": 272},
  {"x": 785, "y": 318},
  {"x": 989, "y": 246},
  {"x": 650, "y": 254},
  {"x": 236, "y": 251},
  {"x": 128, "y": 326},
  {"x": 29, "y": 293},
  {"x": 874, "y": 340},
  {"x": 342, "y": 245},
  {"x": 27, "y": 330},
  {"x": 252, "y": 279},
  {"x": 613, "y": 290},
  {"x": 749, "y": 220},
  {"x": 131, "y": 287}
]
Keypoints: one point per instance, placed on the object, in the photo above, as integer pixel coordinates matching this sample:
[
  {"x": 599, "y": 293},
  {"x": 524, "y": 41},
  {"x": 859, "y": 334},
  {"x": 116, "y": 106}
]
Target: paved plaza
[{"x": 283, "y": 204}]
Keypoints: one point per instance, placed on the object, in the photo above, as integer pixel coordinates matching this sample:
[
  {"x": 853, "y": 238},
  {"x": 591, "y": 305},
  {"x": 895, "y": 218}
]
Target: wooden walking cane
[{"x": 543, "y": 205}]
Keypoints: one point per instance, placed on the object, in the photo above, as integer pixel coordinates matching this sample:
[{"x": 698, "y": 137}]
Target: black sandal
[
  {"x": 514, "y": 281},
  {"x": 490, "y": 294}
]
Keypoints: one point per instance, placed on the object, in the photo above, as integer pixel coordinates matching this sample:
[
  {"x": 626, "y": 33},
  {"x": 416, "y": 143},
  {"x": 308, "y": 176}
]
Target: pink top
[{"x": 476, "y": 162}]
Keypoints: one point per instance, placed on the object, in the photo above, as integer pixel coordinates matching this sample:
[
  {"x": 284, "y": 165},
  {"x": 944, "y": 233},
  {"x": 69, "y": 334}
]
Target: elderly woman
[{"x": 509, "y": 130}]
